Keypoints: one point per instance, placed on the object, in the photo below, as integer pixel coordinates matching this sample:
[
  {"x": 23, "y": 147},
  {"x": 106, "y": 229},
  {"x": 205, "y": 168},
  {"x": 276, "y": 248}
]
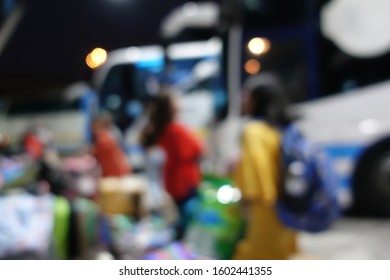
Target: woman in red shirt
[
  {"x": 108, "y": 151},
  {"x": 181, "y": 174}
]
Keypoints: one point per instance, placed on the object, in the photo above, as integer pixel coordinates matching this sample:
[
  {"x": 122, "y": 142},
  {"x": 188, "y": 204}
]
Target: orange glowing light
[
  {"x": 252, "y": 66},
  {"x": 96, "y": 58}
]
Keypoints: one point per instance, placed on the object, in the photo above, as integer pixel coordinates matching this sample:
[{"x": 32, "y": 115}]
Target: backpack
[{"x": 307, "y": 199}]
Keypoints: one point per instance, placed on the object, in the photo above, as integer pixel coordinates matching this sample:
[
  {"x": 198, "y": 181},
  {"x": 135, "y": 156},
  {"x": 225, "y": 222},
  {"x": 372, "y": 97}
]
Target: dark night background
[
  {"x": 49, "y": 46},
  {"x": 47, "y": 50}
]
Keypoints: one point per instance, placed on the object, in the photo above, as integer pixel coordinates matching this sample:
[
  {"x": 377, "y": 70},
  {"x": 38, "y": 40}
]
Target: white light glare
[
  {"x": 258, "y": 46},
  {"x": 228, "y": 194}
]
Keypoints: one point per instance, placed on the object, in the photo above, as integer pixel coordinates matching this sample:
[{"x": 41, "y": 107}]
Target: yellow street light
[
  {"x": 96, "y": 58},
  {"x": 259, "y": 46}
]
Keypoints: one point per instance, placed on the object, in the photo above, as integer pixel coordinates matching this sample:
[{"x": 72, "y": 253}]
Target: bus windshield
[{"x": 128, "y": 85}]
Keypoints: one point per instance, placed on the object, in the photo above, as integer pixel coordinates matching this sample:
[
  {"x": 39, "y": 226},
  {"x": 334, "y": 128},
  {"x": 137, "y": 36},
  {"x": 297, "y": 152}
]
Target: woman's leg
[{"x": 185, "y": 209}]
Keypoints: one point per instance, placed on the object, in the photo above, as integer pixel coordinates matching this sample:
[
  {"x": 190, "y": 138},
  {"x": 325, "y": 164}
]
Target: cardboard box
[{"x": 122, "y": 195}]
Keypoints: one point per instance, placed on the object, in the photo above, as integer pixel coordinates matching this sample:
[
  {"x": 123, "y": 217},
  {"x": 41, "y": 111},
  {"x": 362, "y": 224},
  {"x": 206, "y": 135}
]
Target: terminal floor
[{"x": 349, "y": 239}]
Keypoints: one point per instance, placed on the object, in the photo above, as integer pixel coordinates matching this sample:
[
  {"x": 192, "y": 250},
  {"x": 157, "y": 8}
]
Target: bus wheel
[{"x": 371, "y": 181}]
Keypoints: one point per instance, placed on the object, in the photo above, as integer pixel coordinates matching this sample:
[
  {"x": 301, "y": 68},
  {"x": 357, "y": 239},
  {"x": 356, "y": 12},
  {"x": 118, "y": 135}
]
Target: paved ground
[{"x": 349, "y": 239}]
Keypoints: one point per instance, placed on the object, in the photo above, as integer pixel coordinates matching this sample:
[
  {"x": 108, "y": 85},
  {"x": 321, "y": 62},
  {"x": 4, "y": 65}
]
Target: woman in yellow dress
[{"x": 257, "y": 173}]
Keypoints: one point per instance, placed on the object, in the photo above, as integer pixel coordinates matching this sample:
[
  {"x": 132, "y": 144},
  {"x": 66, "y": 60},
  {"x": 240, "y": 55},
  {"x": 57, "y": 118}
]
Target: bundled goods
[
  {"x": 134, "y": 239},
  {"x": 26, "y": 224},
  {"x": 173, "y": 251},
  {"x": 87, "y": 223},
  {"x": 16, "y": 171},
  {"x": 82, "y": 174}
]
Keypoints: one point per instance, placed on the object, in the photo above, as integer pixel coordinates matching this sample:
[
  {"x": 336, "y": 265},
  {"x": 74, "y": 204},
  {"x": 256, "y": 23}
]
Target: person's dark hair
[
  {"x": 161, "y": 113},
  {"x": 267, "y": 99}
]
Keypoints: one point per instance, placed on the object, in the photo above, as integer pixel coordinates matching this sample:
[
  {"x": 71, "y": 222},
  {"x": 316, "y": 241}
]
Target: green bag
[
  {"x": 216, "y": 225},
  {"x": 61, "y": 227}
]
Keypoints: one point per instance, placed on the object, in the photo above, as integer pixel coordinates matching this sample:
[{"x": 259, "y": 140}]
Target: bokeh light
[
  {"x": 96, "y": 58},
  {"x": 252, "y": 66},
  {"x": 259, "y": 46}
]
